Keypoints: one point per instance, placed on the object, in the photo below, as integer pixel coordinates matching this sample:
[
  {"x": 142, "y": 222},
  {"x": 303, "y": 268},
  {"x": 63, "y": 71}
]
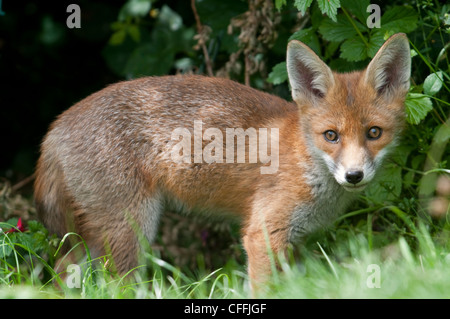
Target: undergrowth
[{"x": 381, "y": 253}]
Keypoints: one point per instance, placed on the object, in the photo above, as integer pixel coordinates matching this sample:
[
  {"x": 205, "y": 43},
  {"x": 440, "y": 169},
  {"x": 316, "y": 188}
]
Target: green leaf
[
  {"x": 357, "y": 8},
  {"x": 400, "y": 154},
  {"x": 443, "y": 134},
  {"x": 133, "y": 31},
  {"x": 353, "y": 50},
  {"x": 418, "y": 161},
  {"x": 417, "y": 107},
  {"x": 433, "y": 83},
  {"x": 51, "y": 31},
  {"x": 5, "y": 249},
  {"x": 302, "y": 5},
  {"x": 309, "y": 37},
  {"x": 388, "y": 183},
  {"x": 446, "y": 19},
  {"x": 218, "y": 13},
  {"x": 280, "y": 3},
  {"x": 117, "y": 37},
  {"x": 170, "y": 18},
  {"x": 399, "y": 19},
  {"x": 135, "y": 8},
  {"x": 329, "y": 7},
  {"x": 116, "y": 56},
  {"x": 117, "y": 25},
  {"x": 148, "y": 60},
  {"x": 375, "y": 42},
  {"x": 279, "y": 74},
  {"x": 184, "y": 64},
  {"x": 343, "y": 66},
  {"x": 35, "y": 226},
  {"x": 340, "y": 30}
]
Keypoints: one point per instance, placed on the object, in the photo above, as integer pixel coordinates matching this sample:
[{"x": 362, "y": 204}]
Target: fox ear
[
  {"x": 309, "y": 77},
  {"x": 389, "y": 71}
]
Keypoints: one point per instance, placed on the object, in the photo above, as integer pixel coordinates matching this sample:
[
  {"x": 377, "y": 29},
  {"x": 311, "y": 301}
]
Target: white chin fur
[{"x": 354, "y": 188}]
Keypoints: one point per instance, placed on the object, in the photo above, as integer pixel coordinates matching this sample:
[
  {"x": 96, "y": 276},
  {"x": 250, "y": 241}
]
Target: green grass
[
  {"x": 338, "y": 263},
  {"x": 401, "y": 274}
]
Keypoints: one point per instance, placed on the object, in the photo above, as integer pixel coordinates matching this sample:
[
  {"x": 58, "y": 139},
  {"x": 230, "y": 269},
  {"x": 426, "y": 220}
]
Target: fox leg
[
  {"x": 124, "y": 237},
  {"x": 265, "y": 237},
  {"x": 119, "y": 233},
  {"x": 262, "y": 251}
]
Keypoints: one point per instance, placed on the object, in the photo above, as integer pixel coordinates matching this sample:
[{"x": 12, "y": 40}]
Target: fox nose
[{"x": 354, "y": 177}]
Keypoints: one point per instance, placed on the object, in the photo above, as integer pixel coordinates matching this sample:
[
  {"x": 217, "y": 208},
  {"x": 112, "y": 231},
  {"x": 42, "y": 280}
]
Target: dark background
[{"x": 46, "y": 67}]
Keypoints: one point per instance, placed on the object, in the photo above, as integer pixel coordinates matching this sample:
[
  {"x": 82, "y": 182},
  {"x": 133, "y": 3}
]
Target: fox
[{"x": 119, "y": 158}]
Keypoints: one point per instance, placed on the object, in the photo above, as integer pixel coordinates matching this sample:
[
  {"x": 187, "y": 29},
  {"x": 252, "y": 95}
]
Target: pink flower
[{"x": 18, "y": 228}]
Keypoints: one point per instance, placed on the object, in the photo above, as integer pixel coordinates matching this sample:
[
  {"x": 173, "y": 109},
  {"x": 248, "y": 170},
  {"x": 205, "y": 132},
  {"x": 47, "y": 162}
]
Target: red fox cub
[{"x": 123, "y": 155}]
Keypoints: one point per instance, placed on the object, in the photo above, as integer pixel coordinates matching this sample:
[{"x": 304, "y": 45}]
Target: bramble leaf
[
  {"x": 340, "y": 30},
  {"x": 399, "y": 19},
  {"x": 353, "y": 50},
  {"x": 309, "y": 37},
  {"x": 357, "y": 8},
  {"x": 375, "y": 42},
  {"x": 417, "y": 107},
  {"x": 329, "y": 7},
  {"x": 302, "y": 5}
]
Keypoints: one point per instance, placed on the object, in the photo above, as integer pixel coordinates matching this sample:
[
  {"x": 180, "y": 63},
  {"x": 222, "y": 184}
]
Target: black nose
[{"x": 354, "y": 177}]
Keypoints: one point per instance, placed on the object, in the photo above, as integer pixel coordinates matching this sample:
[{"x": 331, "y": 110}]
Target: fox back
[{"x": 119, "y": 158}]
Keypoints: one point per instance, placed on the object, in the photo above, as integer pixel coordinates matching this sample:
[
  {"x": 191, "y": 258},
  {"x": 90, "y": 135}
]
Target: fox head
[{"x": 351, "y": 120}]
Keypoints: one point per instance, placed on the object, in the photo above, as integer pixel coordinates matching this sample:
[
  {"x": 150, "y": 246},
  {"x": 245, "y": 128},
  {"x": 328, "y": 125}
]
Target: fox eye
[
  {"x": 374, "y": 133},
  {"x": 331, "y": 136}
]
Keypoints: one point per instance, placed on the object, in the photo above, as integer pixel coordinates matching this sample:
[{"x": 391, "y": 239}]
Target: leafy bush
[{"x": 247, "y": 42}]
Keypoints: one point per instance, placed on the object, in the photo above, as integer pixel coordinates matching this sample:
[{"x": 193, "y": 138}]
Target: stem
[
  {"x": 358, "y": 212},
  {"x": 428, "y": 64},
  {"x": 23, "y": 183},
  {"x": 199, "y": 31},
  {"x": 422, "y": 57},
  {"x": 369, "y": 231},
  {"x": 439, "y": 100},
  {"x": 355, "y": 27}
]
